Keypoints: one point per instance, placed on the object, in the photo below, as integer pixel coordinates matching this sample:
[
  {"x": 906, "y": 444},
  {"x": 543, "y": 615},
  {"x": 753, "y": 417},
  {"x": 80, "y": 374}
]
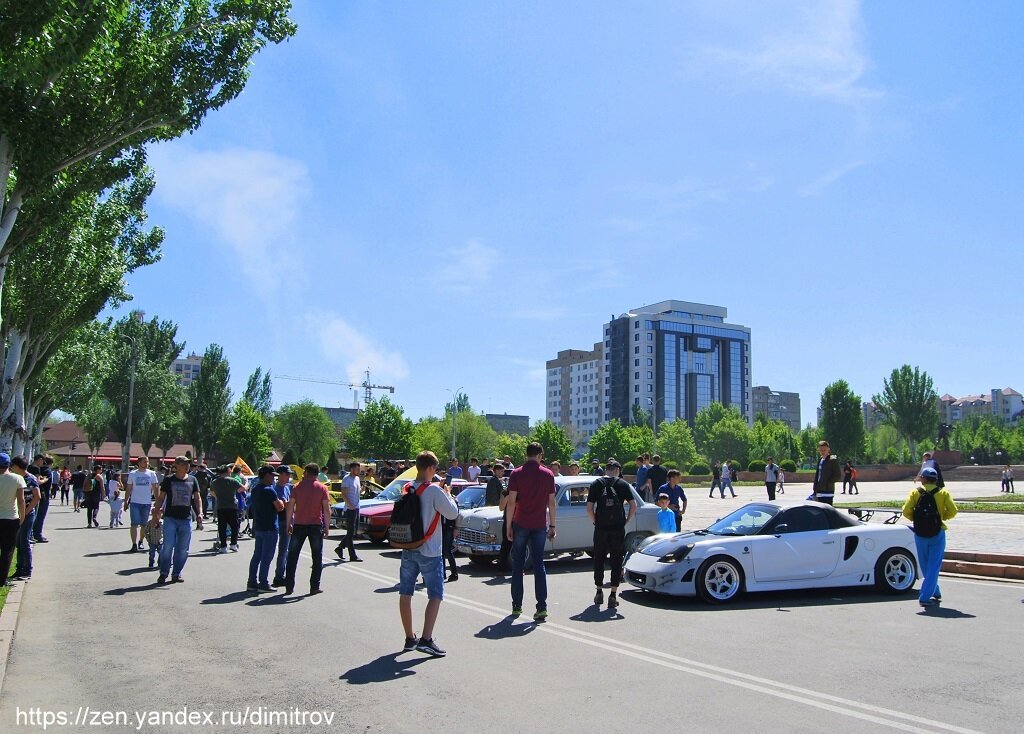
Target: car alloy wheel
[
  {"x": 719, "y": 580},
  {"x": 895, "y": 571}
]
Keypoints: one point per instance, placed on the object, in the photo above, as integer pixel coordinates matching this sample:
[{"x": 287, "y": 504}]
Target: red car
[{"x": 375, "y": 515}]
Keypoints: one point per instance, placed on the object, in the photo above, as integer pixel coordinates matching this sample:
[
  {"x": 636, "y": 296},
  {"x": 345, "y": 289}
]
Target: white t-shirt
[
  {"x": 142, "y": 484},
  {"x": 350, "y": 491},
  {"x": 472, "y": 472}
]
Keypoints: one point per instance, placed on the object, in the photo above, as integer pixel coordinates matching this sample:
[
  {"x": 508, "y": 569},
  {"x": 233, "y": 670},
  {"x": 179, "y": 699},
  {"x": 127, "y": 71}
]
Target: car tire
[
  {"x": 896, "y": 571},
  {"x": 719, "y": 580},
  {"x": 633, "y": 541},
  {"x": 483, "y": 561}
]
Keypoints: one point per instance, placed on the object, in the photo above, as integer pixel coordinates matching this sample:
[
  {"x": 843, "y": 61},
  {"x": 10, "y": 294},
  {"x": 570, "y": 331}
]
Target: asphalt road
[{"x": 96, "y": 633}]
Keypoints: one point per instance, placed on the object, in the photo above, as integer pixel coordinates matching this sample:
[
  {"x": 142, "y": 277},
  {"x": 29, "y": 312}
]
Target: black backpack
[
  {"x": 406, "y": 529},
  {"x": 608, "y": 509},
  {"x": 927, "y": 520}
]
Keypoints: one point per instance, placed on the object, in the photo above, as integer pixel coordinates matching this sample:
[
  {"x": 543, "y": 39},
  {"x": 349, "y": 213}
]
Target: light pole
[
  {"x": 455, "y": 413},
  {"x": 654, "y": 420}
]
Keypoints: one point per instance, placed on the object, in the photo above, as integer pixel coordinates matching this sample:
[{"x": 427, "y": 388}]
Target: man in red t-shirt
[
  {"x": 531, "y": 505},
  {"x": 307, "y": 514}
]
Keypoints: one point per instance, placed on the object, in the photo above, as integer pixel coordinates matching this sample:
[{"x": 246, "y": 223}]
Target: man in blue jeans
[
  {"x": 264, "y": 505},
  {"x": 283, "y": 487},
  {"x": 177, "y": 497},
  {"x": 19, "y": 465},
  {"x": 531, "y": 505}
]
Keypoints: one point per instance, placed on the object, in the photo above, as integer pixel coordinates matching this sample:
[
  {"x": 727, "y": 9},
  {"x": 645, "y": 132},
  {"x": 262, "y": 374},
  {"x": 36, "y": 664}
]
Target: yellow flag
[
  {"x": 239, "y": 461},
  {"x": 297, "y": 472}
]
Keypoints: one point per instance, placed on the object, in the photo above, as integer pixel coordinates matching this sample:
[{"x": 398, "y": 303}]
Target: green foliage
[
  {"x": 756, "y": 465},
  {"x": 246, "y": 434},
  {"x": 513, "y": 445},
  {"x": 259, "y": 392},
  {"x": 907, "y": 403},
  {"x": 703, "y": 422},
  {"x": 787, "y": 465},
  {"x": 699, "y": 469},
  {"x": 94, "y": 419},
  {"x": 304, "y": 430},
  {"x": 675, "y": 443},
  {"x": 879, "y": 440},
  {"x": 288, "y": 458},
  {"x": 729, "y": 437},
  {"x": 614, "y": 440},
  {"x": 206, "y": 411},
  {"x": 428, "y": 435},
  {"x": 332, "y": 465},
  {"x": 670, "y": 464},
  {"x": 629, "y": 467},
  {"x": 807, "y": 443},
  {"x": 380, "y": 430},
  {"x": 770, "y": 438},
  {"x": 842, "y": 422},
  {"x": 640, "y": 416},
  {"x": 554, "y": 439},
  {"x": 473, "y": 435}
]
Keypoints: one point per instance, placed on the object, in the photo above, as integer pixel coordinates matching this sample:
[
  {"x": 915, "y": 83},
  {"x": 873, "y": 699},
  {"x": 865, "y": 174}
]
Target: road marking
[{"x": 836, "y": 704}]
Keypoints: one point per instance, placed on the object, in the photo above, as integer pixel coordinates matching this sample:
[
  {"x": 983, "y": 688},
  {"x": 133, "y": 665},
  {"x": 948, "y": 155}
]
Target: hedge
[
  {"x": 788, "y": 465},
  {"x": 700, "y": 469},
  {"x": 756, "y": 465}
]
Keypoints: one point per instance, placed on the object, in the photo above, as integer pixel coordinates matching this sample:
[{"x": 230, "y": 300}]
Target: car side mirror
[{"x": 780, "y": 528}]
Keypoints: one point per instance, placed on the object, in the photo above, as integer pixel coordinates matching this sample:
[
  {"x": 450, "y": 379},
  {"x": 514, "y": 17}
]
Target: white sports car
[{"x": 764, "y": 546}]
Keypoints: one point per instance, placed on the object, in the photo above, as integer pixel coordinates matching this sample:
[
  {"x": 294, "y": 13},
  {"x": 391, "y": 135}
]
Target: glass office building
[{"x": 675, "y": 357}]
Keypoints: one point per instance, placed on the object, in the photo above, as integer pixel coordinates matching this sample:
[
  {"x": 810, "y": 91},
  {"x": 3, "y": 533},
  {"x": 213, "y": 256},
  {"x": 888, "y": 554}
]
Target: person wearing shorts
[
  {"x": 425, "y": 561},
  {"x": 139, "y": 498}
]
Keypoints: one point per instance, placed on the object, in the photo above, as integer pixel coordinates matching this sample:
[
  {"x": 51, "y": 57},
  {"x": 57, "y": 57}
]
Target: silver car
[{"x": 480, "y": 529}]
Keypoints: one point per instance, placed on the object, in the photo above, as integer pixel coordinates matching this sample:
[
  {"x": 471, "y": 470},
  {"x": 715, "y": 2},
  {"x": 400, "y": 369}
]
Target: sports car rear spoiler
[{"x": 864, "y": 514}]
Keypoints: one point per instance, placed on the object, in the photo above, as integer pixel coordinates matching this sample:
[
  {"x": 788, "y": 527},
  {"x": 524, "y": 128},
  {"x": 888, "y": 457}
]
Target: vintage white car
[
  {"x": 480, "y": 529},
  {"x": 764, "y": 546}
]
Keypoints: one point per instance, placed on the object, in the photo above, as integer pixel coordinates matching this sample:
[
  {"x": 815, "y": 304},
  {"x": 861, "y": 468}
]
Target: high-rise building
[
  {"x": 778, "y": 406},
  {"x": 675, "y": 358},
  {"x": 187, "y": 369},
  {"x": 574, "y": 391}
]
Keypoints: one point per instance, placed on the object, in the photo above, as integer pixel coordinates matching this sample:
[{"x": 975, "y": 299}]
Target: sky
[{"x": 449, "y": 193}]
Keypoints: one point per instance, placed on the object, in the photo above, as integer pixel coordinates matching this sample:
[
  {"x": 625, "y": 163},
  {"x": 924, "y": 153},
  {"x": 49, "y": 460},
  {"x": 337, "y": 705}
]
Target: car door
[
  {"x": 575, "y": 530},
  {"x": 796, "y": 546}
]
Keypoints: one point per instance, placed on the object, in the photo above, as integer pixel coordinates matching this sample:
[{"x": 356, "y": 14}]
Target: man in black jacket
[
  {"x": 828, "y": 473},
  {"x": 657, "y": 475}
]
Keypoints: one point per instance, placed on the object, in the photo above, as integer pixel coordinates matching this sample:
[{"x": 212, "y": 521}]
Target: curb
[
  {"x": 990, "y": 565},
  {"x": 8, "y": 624}
]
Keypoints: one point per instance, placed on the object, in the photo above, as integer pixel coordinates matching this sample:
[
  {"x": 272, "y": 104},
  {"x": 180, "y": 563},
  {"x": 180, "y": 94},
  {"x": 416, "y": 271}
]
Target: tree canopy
[
  {"x": 380, "y": 430},
  {"x": 556, "y": 443},
  {"x": 907, "y": 403},
  {"x": 305, "y": 430},
  {"x": 842, "y": 420},
  {"x": 209, "y": 398}
]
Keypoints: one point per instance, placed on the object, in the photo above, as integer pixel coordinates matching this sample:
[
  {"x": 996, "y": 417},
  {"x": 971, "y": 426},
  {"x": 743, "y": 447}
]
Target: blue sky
[{"x": 449, "y": 193}]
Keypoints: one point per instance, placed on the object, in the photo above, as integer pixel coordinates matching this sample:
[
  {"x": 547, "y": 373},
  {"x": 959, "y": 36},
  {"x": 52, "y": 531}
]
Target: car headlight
[
  {"x": 485, "y": 525},
  {"x": 677, "y": 555}
]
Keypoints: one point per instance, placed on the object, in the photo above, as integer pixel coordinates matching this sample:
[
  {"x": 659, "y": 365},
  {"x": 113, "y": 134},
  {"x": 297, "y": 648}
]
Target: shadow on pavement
[
  {"x": 505, "y": 629},
  {"x": 106, "y": 553},
  {"x": 392, "y": 589},
  {"x": 275, "y": 600},
  {"x": 780, "y": 600},
  {"x": 594, "y": 613},
  {"x": 384, "y": 669},
  {"x": 131, "y": 589},
  {"x": 944, "y": 613},
  {"x": 230, "y": 598},
  {"x": 133, "y": 571}
]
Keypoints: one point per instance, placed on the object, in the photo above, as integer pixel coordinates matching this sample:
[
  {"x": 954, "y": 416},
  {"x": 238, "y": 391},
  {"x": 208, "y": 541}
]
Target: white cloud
[
  {"x": 249, "y": 199},
  {"x": 816, "y": 187},
  {"x": 803, "y": 46},
  {"x": 345, "y": 346},
  {"x": 473, "y": 262}
]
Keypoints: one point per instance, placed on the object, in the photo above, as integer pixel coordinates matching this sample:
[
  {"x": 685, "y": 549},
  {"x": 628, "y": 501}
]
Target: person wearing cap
[
  {"x": 20, "y": 466},
  {"x": 595, "y": 468},
  {"x": 605, "y": 503},
  {"x": 265, "y": 508},
  {"x": 930, "y": 550},
  {"x": 826, "y": 475},
  {"x": 283, "y": 487},
  {"x": 573, "y": 470},
  {"x": 12, "y": 514},
  {"x": 176, "y": 499},
  {"x": 927, "y": 461}
]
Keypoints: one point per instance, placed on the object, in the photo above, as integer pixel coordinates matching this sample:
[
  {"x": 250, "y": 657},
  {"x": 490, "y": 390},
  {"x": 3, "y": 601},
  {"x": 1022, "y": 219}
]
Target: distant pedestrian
[
  {"x": 531, "y": 505},
  {"x": 782, "y": 481},
  {"x": 78, "y": 479},
  {"x": 283, "y": 487},
  {"x": 606, "y": 506},
  {"x": 48, "y": 481},
  {"x": 573, "y": 470},
  {"x": 771, "y": 477},
  {"x": 676, "y": 496},
  {"x": 827, "y": 473},
  {"x": 473, "y": 470},
  {"x": 139, "y": 498},
  {"x": 853, "y": 480},
  {"x": 495, "y": 487},
  {"x": 643, "y": 487},
  {"x": 65, "y": 485},
  {"x": 92, "y": 491},
  {"x": 20, "y": 466},
  {"x": 116, "y": 502},
  {"x": 454, "y": 471},
  {"x": 928, "y": 462},
  {"x": 12, "y": 514},
  {"x": 657, "y": 475},
  {"x": 595, "y": 468},
  {"x": 176, "y": 499},
  {"x": 435, "y": 502},
  {"x": 225, "y": 493},
  {"x": 350, "y": 488},
  {"x": 728, "y": 475},
  {"x": 1008, "y": 479},
  {"x": 204, "y": 477},
  {"x": 847, "y": 476},
  {"x": 716, "y": 480},
  {"x": 265, "y": 505},
  {"x": 308, "y": 516},
  {"x": 929, "y": 507}
]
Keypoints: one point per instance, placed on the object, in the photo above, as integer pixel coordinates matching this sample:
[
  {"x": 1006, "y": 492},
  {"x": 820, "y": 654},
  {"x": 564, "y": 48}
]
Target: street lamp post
[{"x": 455, "y": 413}]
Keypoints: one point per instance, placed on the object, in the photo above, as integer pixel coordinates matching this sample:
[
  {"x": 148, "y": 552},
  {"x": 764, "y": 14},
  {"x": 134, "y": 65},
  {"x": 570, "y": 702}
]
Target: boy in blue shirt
[
  {"x": 676, "y": 496},
  {"x": 666, "y": 518}
]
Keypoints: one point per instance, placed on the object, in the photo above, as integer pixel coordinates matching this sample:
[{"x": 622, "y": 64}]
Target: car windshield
[
  {"x": 470, "y": 498},
  {"x": 393, "y": 491},
  {"x": 744, "y": 521}
]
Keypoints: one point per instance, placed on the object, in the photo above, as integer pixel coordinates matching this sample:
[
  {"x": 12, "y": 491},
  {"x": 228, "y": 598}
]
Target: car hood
[
  {"x": 669, "y": 543},
  {"x": 475, "y": 518}
]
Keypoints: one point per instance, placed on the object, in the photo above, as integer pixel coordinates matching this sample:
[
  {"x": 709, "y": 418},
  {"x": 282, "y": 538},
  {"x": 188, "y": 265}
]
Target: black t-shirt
[
  {"x": 658, "y": 476},
  {"x": 178, "y": 496},
  {"x": 78, "y": 479},
  {"x": 492, "y": 494},
  {"x": 606, "y": 513}
]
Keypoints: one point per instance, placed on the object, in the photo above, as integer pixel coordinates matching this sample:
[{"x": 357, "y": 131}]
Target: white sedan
[{"x": 764, "y": 546}]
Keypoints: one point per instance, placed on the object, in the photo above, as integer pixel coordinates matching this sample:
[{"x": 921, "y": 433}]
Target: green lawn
[
  {"x": 5, "y": 589},
  {"x": 980, "y": 504}
]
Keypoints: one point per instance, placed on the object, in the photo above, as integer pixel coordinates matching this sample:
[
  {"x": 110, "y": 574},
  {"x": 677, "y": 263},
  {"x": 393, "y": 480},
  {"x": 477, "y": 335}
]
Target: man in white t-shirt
[
  {"x": 473, "y": 470},
  {"x": 139, "y": 498},
  {"x": 350, "y": 489}
]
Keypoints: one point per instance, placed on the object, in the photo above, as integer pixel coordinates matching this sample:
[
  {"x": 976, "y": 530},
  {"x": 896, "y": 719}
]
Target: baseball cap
[
  {"x": 929, "y": 473},
  {"x": 284, "y": 469},
  {"x": 265, "y": 470},
  {"x": 612, "y": 464},
  {"x": 5, "y": 459}
]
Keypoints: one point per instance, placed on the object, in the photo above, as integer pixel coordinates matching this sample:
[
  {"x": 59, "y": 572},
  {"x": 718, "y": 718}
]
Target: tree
[
  {"x": 640, "y": 416},
  {"x": 907, "y": 403},
  {"x": 380, "y": 430},
  {"x": 842, "y": 422},
  {"x": 771, "y": 438},
  {"x": 721, "y": 433},
  {"x": 209, "y": 397},
  {"x": 94, "y": 419},
  {"x": 332, "y": 465},
  {"x": 245, "y": 434},
  {"x": 473, "y": 435},
  {"x": 553, "y": 438},
  {"x": 512, "y": 445},
  {"x": 83, "y": 83},
  {"x": 428, "y": 435},
  {"x": 304, "y": 430},
  {"x": 163, "y": 411},
  {"x": 613, "y": 440},
  {"x": 704, "y": 421},
  {"x": 807, "y": 443},
  {"x": 258, "y": 392},
  {"x": 675, "y": 443}
]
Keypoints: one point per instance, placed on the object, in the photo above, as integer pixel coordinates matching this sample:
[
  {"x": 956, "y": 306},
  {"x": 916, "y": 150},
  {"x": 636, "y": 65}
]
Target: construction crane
[{"x": 366, "y": 385}]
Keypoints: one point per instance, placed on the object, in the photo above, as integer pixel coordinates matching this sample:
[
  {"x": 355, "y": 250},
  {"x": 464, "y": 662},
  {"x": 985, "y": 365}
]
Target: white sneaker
[
  {"x": 234, "y": 548},
  {"x": 222, "y": 550}
]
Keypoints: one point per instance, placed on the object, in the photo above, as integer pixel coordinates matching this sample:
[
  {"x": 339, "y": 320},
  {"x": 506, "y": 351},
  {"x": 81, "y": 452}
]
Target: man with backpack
[
  {"x": 415, "y": 528},
  {"x": 928, "y": 507},
  {"x": 605, "y": 506}
]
